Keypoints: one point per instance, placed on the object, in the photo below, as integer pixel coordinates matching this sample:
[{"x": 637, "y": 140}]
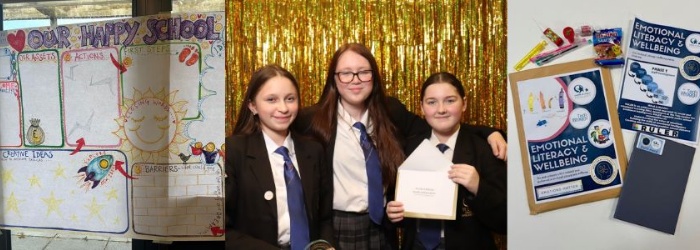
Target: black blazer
[
  {"x": 477, "y": 216},
  {"x": 251, "y": 220}
]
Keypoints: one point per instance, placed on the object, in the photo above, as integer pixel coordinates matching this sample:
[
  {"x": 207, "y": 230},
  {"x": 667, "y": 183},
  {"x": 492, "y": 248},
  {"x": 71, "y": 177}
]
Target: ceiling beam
[
  {"x": 26, "y": 1},
  {"x": 50, "y": 3}
]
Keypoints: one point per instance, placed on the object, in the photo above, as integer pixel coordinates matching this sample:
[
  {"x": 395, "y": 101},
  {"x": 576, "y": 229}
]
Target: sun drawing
[{"x": 150, "y": 126}]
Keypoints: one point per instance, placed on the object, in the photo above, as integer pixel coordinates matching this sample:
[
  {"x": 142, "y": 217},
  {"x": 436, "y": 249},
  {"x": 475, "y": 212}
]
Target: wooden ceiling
[{"x": 43, "y": 9}]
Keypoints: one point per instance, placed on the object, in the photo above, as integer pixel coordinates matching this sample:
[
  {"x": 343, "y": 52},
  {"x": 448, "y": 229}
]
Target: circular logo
[
  {"x": 603, "y": 170},
  {"x": 656, "y": 144},
  {"x": 689, "y": 93},
  {"x": 600, "y": 134},
  {"x": 580, "y": 118},
  {"x": 692, "y": 43},
  {"x": 690, "y": 68},
  {"x": 581, "y": 91}
]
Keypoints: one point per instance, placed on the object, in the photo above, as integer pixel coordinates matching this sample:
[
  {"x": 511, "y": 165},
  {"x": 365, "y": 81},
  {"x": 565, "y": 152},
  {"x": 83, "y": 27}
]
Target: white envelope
[{"x": 423, "y": 186}]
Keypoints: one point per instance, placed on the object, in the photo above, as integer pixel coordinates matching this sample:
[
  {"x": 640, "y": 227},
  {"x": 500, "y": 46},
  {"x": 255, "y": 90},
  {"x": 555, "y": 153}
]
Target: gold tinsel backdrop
[{"x": 410, "y": 39}]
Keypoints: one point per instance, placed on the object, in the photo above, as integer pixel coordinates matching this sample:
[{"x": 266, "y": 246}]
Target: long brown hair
[
  {"x": 325, "y": 121},
  {"x": 248, "y": 123}
]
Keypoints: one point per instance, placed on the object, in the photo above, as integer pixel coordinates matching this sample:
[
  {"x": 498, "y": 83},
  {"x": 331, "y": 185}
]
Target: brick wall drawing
[{"x": 178, "y": 200}]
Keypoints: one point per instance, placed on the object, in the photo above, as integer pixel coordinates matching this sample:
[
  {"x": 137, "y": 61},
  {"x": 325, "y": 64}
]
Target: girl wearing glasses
[
  {"x": 363, "y": 145},
  {"x": 278, "y": 187},
  {"x": 481, "y": 177}
]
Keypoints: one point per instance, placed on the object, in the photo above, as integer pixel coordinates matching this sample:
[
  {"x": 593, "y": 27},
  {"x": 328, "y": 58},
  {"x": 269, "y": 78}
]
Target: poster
[
  {"x": 573, "y": 147},
  {"x": 115, "y": 127},
  {"x": 659, "y": 91}
]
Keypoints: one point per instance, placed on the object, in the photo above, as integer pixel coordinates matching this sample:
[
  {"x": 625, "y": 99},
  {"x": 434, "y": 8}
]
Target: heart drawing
[{"x": 17, "y": 40}]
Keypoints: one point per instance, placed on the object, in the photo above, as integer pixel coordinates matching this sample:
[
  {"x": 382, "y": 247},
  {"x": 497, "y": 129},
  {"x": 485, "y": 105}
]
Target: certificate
[{"x": 423, "y": 186}]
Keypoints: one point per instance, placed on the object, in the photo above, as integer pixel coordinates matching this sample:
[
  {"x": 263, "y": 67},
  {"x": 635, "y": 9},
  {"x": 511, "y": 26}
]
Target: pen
[
  {"x": 556, "y": 55},
  {"x": 526, "y": 59},
  {"x": 554, "y": 51}
]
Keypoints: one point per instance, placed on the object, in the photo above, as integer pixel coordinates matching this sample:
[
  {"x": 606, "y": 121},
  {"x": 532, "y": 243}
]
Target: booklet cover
[
  {"x": 572, "y": 150},
  {"x": 659, "y": 92}
]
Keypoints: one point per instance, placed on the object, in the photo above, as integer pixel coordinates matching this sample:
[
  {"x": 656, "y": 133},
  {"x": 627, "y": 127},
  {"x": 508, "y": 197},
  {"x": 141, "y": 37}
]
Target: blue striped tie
[
  {"x": 374, "y": 176},
  {"x": 429, "y": 234},
  {"x": 295, "y": 202}
]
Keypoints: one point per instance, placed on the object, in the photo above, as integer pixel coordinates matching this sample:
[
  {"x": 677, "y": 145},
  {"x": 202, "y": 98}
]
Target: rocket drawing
[{"x": 97, "y": 169}]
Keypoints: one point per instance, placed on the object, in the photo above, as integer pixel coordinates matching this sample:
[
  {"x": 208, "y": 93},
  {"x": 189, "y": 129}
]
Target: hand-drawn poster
[
  {"x": 573, "y": 150},
  {"x": 115, "y": 127},
  {"x": 659, "y": 93}
]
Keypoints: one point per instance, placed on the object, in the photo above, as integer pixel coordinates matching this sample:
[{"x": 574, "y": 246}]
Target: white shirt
[
  {"x": 277, "y": 166},
  {"x": 448, "y": 155},
  {"x": 350, "y": 192}
]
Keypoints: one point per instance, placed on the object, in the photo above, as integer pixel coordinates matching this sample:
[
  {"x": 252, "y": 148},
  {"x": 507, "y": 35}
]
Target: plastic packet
[{"x": 607, "y": 44}]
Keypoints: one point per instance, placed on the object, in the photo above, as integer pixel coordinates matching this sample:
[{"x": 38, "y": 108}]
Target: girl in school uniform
[
  {"x": 362, "y": 128},
  {"x": 279, "y": 190},
  {"x": 481, "y": 177}
]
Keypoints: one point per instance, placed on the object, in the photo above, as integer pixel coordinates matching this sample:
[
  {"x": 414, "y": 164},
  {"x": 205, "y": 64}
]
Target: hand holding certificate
[{"x": 423, "y": 185}]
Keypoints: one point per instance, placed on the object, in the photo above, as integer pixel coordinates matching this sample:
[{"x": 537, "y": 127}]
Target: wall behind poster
[
  {"x": 589, "y": 226},
  {"x": 114, "y": 127}
]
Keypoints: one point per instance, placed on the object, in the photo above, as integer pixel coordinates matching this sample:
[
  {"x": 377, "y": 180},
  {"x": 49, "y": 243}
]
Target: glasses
[{"x": 347, "y": 77}]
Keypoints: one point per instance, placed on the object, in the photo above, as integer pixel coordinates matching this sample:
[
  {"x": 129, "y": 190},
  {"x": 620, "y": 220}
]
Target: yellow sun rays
[{"x": 143, "y": 150}]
